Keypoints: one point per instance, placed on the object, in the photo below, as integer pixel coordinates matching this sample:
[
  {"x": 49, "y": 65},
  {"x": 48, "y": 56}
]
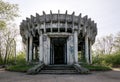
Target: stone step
[
  {"x": 58, "y": 69},
  {"x": 58, "y": 72}
]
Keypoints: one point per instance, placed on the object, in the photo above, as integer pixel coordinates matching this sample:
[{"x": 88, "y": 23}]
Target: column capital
[
  {"x": 75, "y": 28},
  {"x": 40, "y": 32}
]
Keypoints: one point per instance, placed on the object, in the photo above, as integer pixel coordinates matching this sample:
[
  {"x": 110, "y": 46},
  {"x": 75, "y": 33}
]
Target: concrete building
[{"x": 56, "y": 38}]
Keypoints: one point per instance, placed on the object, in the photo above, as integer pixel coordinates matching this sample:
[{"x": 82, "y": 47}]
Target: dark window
[
  {"x": 47, "y": 29},
  {"x": 69, "y": 30},
  {"x": 55, "y": 29},
  {"x": 62, "y": 29}
]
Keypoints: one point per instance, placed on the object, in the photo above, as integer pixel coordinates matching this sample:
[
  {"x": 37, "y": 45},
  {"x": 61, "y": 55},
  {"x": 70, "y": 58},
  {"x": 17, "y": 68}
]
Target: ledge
[{"x": 61, "y": 34}]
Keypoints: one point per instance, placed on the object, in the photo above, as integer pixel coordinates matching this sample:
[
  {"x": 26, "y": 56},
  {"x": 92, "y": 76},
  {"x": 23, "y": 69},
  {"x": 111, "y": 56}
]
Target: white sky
[{"x": 106, "y": 13}]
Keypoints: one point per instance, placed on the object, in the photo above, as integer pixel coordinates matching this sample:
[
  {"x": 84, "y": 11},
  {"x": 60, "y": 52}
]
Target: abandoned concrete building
[{"x": 57, "y": 38}]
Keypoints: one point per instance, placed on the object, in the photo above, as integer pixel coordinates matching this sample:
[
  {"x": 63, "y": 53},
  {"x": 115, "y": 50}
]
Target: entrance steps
[{"x": 58, "y": 69}]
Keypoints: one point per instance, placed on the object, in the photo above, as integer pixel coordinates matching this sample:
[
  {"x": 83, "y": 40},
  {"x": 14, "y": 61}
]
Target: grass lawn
[
  {"x": 19, "y": 68},
  {"x": 25, "y": 67},
  {"x": 97, "y": 67}
]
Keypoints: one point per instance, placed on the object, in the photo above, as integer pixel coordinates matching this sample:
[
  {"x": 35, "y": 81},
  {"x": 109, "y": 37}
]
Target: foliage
[
  {"x": 7, "y": 12},
  {"x": 104, "y": 45},
  {"x": 7, "y": 43},
  {"x": 106, "y": 51},
  {"x": 81, "y": 57},
  {"x": 107, "y": 60},
  {"x": 19, "y": 67},
  {"x": 20, "y": 58},
  {"x": 96, "y": 67},
  {"x": 2, "y": 24},
  {"x": 117, "y": 42}
]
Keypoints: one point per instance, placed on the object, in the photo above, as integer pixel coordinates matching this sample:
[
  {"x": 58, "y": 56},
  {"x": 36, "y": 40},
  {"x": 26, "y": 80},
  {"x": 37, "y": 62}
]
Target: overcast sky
[{"x": 106, "y": 13}]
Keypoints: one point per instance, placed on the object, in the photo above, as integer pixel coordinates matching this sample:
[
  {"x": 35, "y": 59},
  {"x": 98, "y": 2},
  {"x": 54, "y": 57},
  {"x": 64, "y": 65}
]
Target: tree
[
  {"x": 117, "y": 42},
  {"x": 8, "y": 30},
  {"x": 104, "y": 45},
  {"x": 7, "y": 43},
  {"x": 7, "y": 13}
]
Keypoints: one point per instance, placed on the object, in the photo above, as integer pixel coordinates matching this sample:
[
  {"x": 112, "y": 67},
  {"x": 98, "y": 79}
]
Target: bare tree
[
  {"x": 104, "y": 45},
  {"x": 7, "y": 42},
  {"x": 117, "y": 42},
  {"x": 8, "y": 12}
]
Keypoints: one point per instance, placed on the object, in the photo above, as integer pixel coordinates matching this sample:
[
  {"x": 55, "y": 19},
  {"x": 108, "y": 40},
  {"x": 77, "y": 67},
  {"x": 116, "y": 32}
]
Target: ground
[{"x": 109, "y": 76}]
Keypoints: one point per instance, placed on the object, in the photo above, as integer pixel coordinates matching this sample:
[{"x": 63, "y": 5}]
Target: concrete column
[
  {"x": 76, "y": 46},
  {"x": 86, "y": 49},
  {"x": 68, "y": 57},
  {"x": 44, "y": 27},
  {"x": 30, "y": 48},
  {"x": 45, "y": 49},
  {"x": 51, "y": 27},
  {"x": 70, "y": 50},
  {"x": 41, "y": 48},
  {"x": 48, "y": 49},
  {"x": 27, "y": 49},
  {"x": 66, "y": 26},
  {"x": 90, "y": 52}
]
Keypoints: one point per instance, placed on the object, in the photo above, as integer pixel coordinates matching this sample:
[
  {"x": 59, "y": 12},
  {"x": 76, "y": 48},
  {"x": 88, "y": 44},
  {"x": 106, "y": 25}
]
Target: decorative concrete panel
[
  {"x": 70, "y": 49},
  {"x": 46, "y": 49}
]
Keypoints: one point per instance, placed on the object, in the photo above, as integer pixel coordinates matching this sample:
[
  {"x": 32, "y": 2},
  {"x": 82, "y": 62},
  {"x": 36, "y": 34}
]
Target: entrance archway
[{"x": 58, "y": 51}]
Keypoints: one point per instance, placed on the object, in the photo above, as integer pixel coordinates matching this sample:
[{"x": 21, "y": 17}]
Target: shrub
[
  {"x": 113, "y": 59},
  {"x": 20, "y": 59},
  {"x": 97, "y": 67},
  {"x": 107, "y": 60},
  {"x": 19, "y": 67}
]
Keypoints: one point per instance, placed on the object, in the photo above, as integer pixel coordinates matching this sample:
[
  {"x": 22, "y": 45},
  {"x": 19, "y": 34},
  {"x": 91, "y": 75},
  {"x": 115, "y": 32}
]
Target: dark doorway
[{"x": 58, "y": 51}]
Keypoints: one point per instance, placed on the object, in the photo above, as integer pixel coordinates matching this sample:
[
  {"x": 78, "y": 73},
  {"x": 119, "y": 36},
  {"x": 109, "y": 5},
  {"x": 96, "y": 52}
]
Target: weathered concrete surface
[{"x": 110, "y": 76}]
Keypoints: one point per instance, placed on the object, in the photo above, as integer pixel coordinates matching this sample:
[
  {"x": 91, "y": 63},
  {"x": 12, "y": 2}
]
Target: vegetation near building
[{"x": 8, "y": 31}]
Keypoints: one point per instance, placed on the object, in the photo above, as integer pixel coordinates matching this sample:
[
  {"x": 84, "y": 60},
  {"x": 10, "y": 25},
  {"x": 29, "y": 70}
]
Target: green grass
[
  {"x": 19, "y": 68},
  {"x": 97, "y": 67},
  {"x": 25, "y": 67},
  {"x": 93, "y": 67},
  {"x": 100, "y": 63},
  {"x": 21, "y": 65}
]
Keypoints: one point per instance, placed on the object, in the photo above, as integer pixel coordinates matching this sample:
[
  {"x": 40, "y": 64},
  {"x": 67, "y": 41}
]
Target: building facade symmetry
[{"x": 57, "y": 38}]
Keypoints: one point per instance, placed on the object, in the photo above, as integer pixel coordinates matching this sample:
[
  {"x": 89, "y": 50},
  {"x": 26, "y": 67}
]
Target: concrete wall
[
  {"x": 71, "y": 57},
  {"x": 70, "y": 50},
  {"x": 46, "y": 49}
]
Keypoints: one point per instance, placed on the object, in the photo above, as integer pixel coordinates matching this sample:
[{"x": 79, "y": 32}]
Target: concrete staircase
[{"x": 58, "y": 69}]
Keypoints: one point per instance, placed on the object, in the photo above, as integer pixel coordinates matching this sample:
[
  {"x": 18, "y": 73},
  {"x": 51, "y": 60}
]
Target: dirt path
[{"x": 110, "y": 76}]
